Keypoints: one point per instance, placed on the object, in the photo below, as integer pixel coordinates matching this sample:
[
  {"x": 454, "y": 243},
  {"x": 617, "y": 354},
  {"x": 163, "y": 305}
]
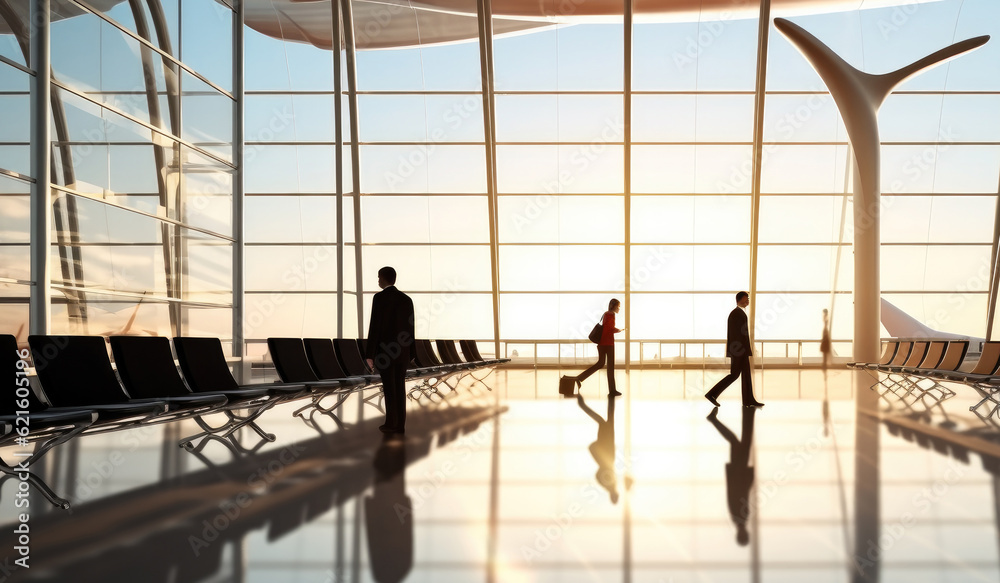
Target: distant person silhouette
[
  {"x": 824, "y": 344},
  {"x": 389, "y": 515},
  {"x": 603, "y": 449},
  {"x": 390, "y": 346},
  {"x": 739, "y": 350},
  {"x": 739, "y": 473},
  {"x": 605, "y": 349}
]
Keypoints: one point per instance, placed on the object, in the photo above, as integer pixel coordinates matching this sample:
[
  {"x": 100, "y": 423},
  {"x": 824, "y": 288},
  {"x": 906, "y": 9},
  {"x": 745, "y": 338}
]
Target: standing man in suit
[
  {"x": 739, "y": 350},
  {"x": 390, "y": 346}
]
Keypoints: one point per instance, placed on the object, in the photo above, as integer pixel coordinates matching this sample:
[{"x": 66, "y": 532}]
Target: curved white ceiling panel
[{"x": 381, "y": 24}]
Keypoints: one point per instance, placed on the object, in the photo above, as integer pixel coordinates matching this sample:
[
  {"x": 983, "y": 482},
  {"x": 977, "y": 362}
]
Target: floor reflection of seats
[
  {"x": 177, "y": 531},
  {"x": 948, "y": 441}
]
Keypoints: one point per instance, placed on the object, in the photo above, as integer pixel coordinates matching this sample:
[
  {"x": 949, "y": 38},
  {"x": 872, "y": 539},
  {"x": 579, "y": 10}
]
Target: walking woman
[{"x": 606, "y": 349}]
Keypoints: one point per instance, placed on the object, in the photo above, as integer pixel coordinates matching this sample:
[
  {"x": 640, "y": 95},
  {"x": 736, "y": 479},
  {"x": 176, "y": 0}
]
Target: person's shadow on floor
[
  {"x": 739, "y": 472},
  {"x": 603, "y": 449},
  {"x": 389, "y": 515}
]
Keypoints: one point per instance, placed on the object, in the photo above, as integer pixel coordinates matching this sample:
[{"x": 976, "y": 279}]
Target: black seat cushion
[
  {"x": 204, "y": 364},
  {"x": 290, "y": 360},
  {"x": 146, "y": 367},
  {"x": 75, "y": 371}
]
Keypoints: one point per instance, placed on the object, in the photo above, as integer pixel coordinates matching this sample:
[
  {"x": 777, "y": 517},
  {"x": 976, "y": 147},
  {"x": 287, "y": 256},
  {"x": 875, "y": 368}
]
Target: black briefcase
[{"x": 567, "y": 386}]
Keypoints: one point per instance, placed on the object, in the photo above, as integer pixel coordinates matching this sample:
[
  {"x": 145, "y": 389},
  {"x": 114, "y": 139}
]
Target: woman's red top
[{"x": 608, "y": 335}]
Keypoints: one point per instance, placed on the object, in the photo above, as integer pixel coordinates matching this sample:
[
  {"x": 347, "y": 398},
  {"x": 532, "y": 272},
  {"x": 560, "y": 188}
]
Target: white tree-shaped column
[{"x": 859, "y": 96}]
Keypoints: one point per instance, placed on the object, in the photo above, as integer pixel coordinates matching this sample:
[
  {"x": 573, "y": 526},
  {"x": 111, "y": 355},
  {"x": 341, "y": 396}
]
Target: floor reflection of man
[
  {"x": 603, "y": 449},
  {"x": 739, "y": 472},
  {"x": 389, "y": 515}
]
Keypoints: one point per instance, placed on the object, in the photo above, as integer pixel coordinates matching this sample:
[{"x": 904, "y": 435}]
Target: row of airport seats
[
  {"x": 908, "y": 362},
  {"x": 318, "y": 360},
  {"x": 315, "y": 362},
  {"x": 78, "y": 391}
]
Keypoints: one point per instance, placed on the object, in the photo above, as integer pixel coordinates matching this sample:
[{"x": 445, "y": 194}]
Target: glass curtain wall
[
  {"x": 691, "y": 179},
  {"x": 560, "y": 162},
  {"x": 692, "y": 117},
  {"x": 142, "y": 181},
  {"x": 143, "y": 172},
  {"x": 290, "y": 184},
  {"x": 424, "y": 208},
  {"x": 805, "y": 264},
  {"x": 15, "y": 171}
]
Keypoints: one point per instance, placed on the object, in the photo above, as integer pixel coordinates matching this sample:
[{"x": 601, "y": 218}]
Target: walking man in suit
[
  {"x": 739, "y": 350},
  {"x": 390, "y": 346}
]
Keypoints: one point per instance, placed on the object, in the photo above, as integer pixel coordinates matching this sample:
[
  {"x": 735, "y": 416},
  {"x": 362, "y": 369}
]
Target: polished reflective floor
[{"x": 505, "y": 481}]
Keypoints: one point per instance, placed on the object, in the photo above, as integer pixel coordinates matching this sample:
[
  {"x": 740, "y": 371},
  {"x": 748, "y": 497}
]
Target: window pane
[
  {"x": 289, "y": 269},
  {"x": 565, "y": 219},
  {"x": 591, "y": 268},
  {"x": 664, "y": 169},
  {"x": 662, "y": 268},
  {"x": 294, "y": 315},
  {"x": 207, "y": 193},
  {"x": 527, "y": 118},
  {"x": 207, "y": 40},
  {"x": 453, "y": 315},
  {"x": 14, "y": 113},
  {"x": 722, "y": 268},
  {"x": 281, "y": 219},
  {"x": 962, "y": 219},
  {"x": 722, "y": 169},
  {"x": 791, "y": 316},
  {"x": 803, "y": 169},
  {"x": 937, "y": 219},
  {"x": 414, "y": 219},
  {"x": 529, "y": 268},
  {"x": 803, "y": 118},
  {"x": 589, "y": 168},
  {"x": 280, "y": 66},
  {"x": 421, "y": 118},
  {"x": 14, "y": 229},
  {"x": 570, "y": 316},
  {"x": 942, "y": 168},
  {"x": 207, "y": 321},
  {"x": 666, "y": 316},
  {"x": 803, "y": 219},
  {"x": 208, "y": 117},
  {"x": 579, "y": 57},
  {"x": 694, "y": 268},
  {"x": 686, "y": 118},
  {"x": 280, "y": 169},
  {"x": 787, "y": 268},
  {"x": 423, "y": 168},
  {"x": 935, "y": 268},
  {"x": 445, "y": 269}
]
